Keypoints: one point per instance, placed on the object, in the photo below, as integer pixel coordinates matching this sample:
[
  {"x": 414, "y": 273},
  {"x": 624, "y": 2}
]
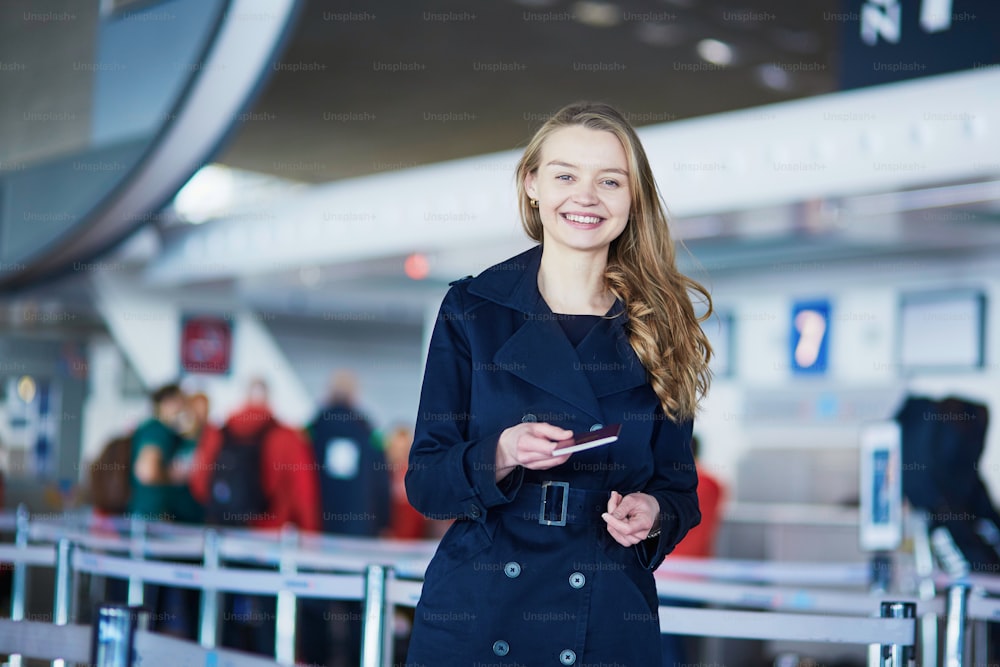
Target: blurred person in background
[
  {"x": 700, "y": 540},
  {"x": 157, "y": 495},
  {"x": 286, "y": 475},
  {"x": 405, "y": 522},
  {"x": 187, "y": 508},
  {"x": 259, "y": 473},
  {"x": 354, "y": 486},
  {"x": 354, "y": 478},
  {"x": 183, "y": 506},
  {"x": 154, "y": 444}
]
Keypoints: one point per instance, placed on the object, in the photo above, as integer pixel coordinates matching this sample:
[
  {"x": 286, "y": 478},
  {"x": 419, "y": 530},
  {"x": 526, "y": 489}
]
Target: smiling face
[{"x": 582, "y": 188}]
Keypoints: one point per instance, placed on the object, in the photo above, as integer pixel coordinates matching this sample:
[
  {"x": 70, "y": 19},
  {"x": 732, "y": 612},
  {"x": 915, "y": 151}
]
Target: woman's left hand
[{"x": 631, "y": 518}]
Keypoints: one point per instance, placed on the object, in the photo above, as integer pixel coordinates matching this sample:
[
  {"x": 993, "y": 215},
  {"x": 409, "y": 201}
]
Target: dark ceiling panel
[{"x": 395, "y": 84}]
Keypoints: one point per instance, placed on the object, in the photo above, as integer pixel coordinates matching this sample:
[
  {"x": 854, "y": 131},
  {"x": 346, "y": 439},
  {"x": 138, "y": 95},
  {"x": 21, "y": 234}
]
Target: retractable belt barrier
[
  {"x": 44, "y": 641},
  {"x": 770, "y": 572},
  {"x": 255, "y": 582},
  {"x": 788, "y": 627},
  {"x": 386, "y": 574},
  {"x": 799, "y": 600}
]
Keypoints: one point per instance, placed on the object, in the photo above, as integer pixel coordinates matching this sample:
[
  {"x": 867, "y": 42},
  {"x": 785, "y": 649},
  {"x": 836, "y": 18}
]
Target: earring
[{"x": 533, "y": 203}]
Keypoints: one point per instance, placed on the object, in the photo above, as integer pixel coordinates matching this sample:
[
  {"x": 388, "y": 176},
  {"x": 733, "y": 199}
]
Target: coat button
[
  {"x": 500, "y": 647},
  {"x": 474, "y": 511},
  {"x": 528, "y": 418},
  {"x": 577, "y": 580},
  {"x": 567, "y": 657},
  {"x": 512, "y": 569},
  {"x": 596, "y": 427}
]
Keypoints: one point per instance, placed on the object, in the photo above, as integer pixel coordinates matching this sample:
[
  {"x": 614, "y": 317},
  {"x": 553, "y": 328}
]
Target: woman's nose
[{"x": 585, "y": 193}]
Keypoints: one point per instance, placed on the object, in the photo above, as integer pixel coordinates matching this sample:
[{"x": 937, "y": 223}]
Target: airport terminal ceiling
[{"x": 392, "y": 84}]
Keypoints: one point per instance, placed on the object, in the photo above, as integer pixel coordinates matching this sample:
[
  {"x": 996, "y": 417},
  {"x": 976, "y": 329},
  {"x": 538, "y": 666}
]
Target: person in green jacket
[
  {"x": 158, "y": 494},
  {"x": 185, "y": 507},
  {"x": 154, "y": 445}
]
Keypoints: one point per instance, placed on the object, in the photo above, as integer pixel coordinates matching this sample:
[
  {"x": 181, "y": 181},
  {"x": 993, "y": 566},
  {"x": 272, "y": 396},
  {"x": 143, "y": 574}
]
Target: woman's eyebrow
[{"x": 558, "y": 163}]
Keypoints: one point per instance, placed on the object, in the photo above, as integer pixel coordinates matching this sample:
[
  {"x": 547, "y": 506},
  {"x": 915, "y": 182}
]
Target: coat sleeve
[
  {"x": 451, "y": 475},
  {"x": 674, "y": 484}
]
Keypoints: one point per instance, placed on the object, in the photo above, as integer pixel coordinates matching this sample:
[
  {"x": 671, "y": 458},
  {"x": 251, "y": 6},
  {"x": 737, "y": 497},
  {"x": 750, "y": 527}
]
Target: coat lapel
[
  {"x": 539, "y": 353},
  {"x": 607, "y": 357}
]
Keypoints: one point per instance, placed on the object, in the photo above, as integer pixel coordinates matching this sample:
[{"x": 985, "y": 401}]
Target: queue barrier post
[
  {"x": 956, "y": 611},
  {"x": 979, "y": 642},
  {"x": 898, "y": 655},
  {"x": 376, "y": 648},
  {"x": 928, "y": 624},
  {"x": 19, "y": 583},
  {"x": 208, "y": 631},
  {"x": 285, "y": 621},
  {"x": 137, "y": 551},
  {"x": 113, "y": 635},
  {"x": 64, "y": 587},
  {"x": 64, "y": 582}
]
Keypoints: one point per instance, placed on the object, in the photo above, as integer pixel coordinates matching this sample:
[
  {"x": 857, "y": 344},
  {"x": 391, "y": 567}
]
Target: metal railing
[{"x": 385, "y": 574}]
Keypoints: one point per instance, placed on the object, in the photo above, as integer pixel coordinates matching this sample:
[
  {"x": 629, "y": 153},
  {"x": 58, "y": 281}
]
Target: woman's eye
[
  {"x": 611, "y": 183},
  {"x": 564, "y": 177}
]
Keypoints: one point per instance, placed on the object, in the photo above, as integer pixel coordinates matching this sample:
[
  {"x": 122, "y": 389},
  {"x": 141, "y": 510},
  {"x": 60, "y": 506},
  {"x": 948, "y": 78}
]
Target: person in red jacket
[
  {"x": 700, "y": 540},
  {"x": 405, "y": 523},
  {"x": 288, "y": 482},
  {"x": 288, "y": 467}
]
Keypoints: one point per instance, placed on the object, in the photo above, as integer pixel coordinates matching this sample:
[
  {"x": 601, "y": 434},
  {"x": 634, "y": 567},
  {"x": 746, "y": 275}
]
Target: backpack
[
  {"x": 236, "y": 493},
  {"x": 110, "y": 480}
]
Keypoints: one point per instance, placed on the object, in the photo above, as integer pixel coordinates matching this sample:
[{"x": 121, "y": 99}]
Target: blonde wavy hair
[{"x": 641, "y": 271}]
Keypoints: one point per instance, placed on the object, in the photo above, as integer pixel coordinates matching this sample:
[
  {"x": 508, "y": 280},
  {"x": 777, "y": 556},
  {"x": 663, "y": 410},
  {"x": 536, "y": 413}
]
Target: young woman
[{"x": 550, "y": 560}]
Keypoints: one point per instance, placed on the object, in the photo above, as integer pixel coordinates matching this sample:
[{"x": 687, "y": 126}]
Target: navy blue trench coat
[{"x": 516, "y": 582}]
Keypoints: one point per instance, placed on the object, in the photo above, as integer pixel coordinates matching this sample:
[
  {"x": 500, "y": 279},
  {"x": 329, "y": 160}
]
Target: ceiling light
[
  {"x": 773, "y": 77},
  {"x": 660, "y": 34},
  {"x": 797, "y": 41},
  {"x": 597, "y": 14},
  {"x": 209, "y": 194},
  {"x": 716, "y": 52},
  {"x": 416, "y": 266},
  {"x": 217, "y": 191}
]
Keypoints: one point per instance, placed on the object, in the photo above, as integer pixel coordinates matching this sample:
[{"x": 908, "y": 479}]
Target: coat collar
[
  {"x": 538, "y": 351},
  {"x": 513, "y": 283}
]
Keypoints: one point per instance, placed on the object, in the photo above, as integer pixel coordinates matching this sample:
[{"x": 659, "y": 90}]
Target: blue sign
[{"x": 810, "y": 339}]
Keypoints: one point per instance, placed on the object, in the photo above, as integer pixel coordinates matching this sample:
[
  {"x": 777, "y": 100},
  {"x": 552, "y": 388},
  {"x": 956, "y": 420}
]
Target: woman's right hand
[{"x": 529, "y": 445}]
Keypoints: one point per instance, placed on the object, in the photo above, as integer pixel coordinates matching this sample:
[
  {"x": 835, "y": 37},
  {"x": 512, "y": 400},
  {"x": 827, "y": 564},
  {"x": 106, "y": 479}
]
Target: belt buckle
[{"x": 561, "y": 521}]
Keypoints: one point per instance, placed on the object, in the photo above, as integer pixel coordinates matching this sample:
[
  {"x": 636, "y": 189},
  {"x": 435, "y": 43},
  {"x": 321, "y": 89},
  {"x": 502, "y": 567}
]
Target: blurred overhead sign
[
  {"x": 206, "y": 345},
  {"x": 810, "y": 337},
  {"x": 892, "y": 40}
]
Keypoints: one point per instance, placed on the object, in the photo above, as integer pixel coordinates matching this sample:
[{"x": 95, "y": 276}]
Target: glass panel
[{"x": 93, "y": 84}]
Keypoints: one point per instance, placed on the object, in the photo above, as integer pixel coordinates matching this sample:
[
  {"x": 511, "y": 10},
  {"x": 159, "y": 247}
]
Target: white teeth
[{"x": 585, "y": 219}]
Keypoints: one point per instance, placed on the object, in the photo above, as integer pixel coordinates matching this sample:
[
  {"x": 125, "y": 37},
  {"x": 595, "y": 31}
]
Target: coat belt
[{"x": 556, "y": 504}]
